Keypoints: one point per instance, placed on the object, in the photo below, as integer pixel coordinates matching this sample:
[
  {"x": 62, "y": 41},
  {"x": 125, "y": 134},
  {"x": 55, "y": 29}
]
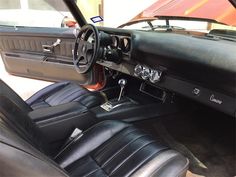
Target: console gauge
[
  {"x": 138, "y": 70},
  {"x": 146, "y": 73}
]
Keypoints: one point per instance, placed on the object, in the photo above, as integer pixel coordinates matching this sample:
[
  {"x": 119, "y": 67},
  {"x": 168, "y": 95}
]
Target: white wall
[{"x": 123, "y": 10}]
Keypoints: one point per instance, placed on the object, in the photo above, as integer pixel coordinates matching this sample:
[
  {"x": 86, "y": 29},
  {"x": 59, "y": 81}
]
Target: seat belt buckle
[{"x": 75, "y": 133}]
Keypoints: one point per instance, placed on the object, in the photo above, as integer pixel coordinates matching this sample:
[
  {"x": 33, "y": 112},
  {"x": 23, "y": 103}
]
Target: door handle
[
  {"x": 50, "y": 48},
  {"x": 47, "y": 49}
]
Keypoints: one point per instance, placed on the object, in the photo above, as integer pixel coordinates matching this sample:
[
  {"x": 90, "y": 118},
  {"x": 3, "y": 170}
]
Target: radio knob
[
  {"x": 155, "y": 76},
  {"x": 138, "y": 70},
  {"x": 146, "y": 73}
]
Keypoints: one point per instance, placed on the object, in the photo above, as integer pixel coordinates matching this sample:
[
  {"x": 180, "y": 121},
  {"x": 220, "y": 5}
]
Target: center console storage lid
[{"x": 57, "y": 112}]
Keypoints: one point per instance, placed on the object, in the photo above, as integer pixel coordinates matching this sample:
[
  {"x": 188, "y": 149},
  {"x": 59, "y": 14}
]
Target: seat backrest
[
  {"x": 21, "y": 159},
  {"x": 13, "y": 111},
  {"x": 6, "y": 91},
  {"x": 21, "y": 142}
]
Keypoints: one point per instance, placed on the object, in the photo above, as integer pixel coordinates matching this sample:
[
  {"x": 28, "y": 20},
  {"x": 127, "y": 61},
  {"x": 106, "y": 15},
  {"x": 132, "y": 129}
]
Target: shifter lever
[{"x": 122, "y": 83}]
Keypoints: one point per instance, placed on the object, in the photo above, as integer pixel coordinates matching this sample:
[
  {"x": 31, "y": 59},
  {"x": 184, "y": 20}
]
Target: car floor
[{"x": 206, "y": 137}]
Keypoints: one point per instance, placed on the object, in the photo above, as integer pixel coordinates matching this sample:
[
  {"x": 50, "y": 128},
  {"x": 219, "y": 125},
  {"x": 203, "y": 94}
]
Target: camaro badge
[{"x": 213, "y": 99}]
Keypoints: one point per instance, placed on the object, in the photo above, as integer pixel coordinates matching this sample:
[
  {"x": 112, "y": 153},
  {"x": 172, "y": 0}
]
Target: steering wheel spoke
[
  {"x": 80, "y": 60},
  {"x": 89, "y": 46}
]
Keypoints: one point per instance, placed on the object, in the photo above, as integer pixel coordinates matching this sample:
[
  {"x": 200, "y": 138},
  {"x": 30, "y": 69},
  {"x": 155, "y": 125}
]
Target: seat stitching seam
[
  {"x": 121, "y": 149},
  {"x": 185, "y": 168},
  {"x": 83, "y": 95},
  {"x": 102, "y": 151},
  {"x": 77, "y": 91},
  {"x": 94, "y": 126},
  {"x": 99, "y": 166},
  {"x": 118, "y": 136},
  {"x": 57, "y": 97},
  {"x": 80, "y": 99},
  {"x": 163, "y": 164},
  {"x": 88, "y": 174},
  {"x": 125, "y": 160},
  {"x": 51, "y": 91},
  {"x": 105, "y": 145},
  {"x": 156, "y": 153}
]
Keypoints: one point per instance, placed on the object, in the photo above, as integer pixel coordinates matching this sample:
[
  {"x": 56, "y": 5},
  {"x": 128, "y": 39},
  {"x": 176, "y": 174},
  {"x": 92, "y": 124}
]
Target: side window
[{"x": 35, "y": 13}]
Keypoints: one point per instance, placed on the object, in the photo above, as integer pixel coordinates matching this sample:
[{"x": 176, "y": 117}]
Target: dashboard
[{"x": 200, "y": 68}]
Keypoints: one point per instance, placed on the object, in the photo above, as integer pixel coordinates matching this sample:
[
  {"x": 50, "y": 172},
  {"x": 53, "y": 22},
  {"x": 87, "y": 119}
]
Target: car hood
[{"x": 219, "y": 11}]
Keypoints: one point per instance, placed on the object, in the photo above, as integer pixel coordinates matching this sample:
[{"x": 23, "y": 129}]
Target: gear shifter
[
  {"x": 118, "y": 104},
  {"x": 122, "y": 83}
]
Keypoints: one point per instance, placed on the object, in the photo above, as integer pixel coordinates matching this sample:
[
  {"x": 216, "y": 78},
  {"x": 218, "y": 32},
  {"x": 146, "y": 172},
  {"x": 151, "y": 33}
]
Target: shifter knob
[{"x": 122, "y": 83}]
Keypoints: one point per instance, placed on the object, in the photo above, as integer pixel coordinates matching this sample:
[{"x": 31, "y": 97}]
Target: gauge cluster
[
  {"x": 121, "y": 42},
  {"x": 114, "y": 48}
]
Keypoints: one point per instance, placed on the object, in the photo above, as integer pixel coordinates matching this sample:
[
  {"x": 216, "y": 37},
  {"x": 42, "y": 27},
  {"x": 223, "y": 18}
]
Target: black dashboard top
[{"x": 209, "y": 62}]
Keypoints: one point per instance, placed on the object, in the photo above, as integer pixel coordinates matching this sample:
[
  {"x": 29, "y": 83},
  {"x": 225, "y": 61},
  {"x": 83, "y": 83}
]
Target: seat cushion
[
  {"x": 113, "y": 148},
  {"x": 109, "y": 148},
  {"x": 64, "y": 92}
]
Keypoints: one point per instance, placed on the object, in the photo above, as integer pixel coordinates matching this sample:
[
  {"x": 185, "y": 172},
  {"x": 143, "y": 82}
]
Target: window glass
[
  {"x": 12, "y": 4},
  {"x": 47, "y": 5},
  {"x": 35, "y": 13}
]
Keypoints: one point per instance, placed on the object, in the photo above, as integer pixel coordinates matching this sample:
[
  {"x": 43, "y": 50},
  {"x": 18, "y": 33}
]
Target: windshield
[
  {"x": 33, "y": 13},
  {"x": 158, "y": 14}
]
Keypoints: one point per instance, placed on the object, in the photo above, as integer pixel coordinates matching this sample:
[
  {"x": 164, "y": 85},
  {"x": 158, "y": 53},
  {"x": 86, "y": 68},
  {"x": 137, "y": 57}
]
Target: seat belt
[{"x": 75, "y": 135}]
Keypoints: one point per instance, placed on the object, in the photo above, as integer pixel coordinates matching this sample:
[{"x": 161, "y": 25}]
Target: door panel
[{"x": 23, "y": 55}]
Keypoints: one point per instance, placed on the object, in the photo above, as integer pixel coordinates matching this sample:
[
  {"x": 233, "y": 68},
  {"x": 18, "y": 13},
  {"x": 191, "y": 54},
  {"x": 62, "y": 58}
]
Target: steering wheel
[{"x": 86, "y": 48}]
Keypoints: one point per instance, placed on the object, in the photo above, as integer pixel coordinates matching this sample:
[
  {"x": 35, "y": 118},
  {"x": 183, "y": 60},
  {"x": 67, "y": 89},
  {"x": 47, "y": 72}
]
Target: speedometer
[{"x": 115, "y": 42}]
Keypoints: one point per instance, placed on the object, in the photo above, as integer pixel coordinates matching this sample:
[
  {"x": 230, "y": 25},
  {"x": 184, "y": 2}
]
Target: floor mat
[{"x": 207, "y": 139}]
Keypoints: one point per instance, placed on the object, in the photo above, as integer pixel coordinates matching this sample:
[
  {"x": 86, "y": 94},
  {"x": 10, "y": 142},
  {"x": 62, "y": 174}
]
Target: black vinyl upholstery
[
  {"x": 64, "y": 92},
  {"x": 113, "y": 148},
  {"x": 108, "y": 148}
]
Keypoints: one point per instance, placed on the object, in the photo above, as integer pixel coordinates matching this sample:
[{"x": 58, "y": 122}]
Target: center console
[
  {"x": 132, "y": 109},
  {"x": 57, "y": 122}
]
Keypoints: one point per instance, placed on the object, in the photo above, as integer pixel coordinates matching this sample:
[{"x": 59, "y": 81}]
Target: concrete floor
[{"x": 22, "y": 86}]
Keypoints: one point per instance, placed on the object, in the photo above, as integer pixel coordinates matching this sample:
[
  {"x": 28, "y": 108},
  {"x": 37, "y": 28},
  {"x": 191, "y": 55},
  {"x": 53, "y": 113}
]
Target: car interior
[{"x": 165, "y": 105}]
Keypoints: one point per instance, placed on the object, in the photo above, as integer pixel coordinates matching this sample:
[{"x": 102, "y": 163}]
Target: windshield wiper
[
  {"x": 214, "y": 36},
  {"x": 167, "y": 27}
]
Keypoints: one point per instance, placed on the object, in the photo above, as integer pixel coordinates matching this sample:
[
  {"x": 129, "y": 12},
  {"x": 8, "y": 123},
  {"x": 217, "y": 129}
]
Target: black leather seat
[
  {"x": 113, "y": 148},
  {"x": 54, "y": 95},
  {"x": 64, "y": 92},
  {"x": 109, "y": 148}
]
